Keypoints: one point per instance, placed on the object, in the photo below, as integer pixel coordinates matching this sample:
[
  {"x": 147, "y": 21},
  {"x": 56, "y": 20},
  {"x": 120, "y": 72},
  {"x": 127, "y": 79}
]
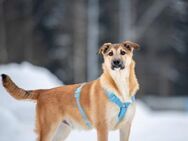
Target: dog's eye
[
  {"x": 122, "y": 52},
  {"x": 111, "y": 53}
]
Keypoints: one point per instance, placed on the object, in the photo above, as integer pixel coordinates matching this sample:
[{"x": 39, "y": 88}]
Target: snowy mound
[{"x": 17, "y": 117}]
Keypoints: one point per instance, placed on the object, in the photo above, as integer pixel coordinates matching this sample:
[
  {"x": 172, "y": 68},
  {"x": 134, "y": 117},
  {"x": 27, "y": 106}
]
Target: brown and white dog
[{"x": 57, "y": 108}]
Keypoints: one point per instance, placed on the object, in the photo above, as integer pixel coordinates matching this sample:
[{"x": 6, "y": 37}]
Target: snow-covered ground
[{"x": 17, "y": 117}]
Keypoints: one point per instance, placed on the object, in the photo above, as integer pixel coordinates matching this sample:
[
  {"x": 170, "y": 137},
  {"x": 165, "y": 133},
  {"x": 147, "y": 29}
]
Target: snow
[{"x": 17, "y": 117}]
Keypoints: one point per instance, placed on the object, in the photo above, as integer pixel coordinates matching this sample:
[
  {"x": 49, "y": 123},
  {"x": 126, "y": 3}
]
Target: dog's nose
[{"x": 116, "y": 62}]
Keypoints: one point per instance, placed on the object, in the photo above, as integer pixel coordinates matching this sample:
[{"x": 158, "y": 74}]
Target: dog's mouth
[{"x": 117, "y": 67}]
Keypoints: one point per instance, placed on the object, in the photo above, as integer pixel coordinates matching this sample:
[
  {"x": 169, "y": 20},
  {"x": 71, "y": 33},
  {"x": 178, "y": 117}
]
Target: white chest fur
[{"x": 120, "y": 77}]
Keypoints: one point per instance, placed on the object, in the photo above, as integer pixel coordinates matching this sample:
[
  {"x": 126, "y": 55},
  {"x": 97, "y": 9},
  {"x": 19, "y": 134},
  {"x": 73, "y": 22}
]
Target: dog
[{"x": 105, "y": 104}]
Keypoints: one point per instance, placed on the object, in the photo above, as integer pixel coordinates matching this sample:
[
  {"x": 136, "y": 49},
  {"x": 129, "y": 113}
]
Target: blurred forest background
[{"x": 64, "y": 36}]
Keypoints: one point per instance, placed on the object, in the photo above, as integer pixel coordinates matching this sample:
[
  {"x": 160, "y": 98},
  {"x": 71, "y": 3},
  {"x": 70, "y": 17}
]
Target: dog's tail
[{"x": 15, "y": 91}]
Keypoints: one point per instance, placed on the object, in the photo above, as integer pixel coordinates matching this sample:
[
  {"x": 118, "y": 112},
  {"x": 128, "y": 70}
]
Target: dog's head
[{"x": 118, "y": 56}]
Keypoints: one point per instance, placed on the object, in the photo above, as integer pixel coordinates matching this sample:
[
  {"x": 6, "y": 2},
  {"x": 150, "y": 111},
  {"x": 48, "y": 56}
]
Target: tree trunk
[
  {"x": 93, "y": 40},
  {"x": 3, "y": 51},
  {"x": 79, "y": 43}
]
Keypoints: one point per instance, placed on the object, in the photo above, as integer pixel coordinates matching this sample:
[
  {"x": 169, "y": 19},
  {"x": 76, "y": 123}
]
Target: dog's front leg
[
  {"x": 125, "y": 132},
  {"x": 102, "y": 133}
]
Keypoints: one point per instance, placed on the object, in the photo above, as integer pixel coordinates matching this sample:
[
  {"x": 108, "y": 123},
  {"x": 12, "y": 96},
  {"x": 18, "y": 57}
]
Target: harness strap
[
  {"x": 122, "y": 106},
  {"x": 83, "y": 114}
]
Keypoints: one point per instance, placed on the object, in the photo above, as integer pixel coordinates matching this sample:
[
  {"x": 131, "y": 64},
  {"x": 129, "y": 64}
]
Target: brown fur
[{"x": 58, "y": 104}]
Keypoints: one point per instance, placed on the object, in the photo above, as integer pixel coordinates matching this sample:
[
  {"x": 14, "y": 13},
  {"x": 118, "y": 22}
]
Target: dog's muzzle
[{"x": 117, "y": 64}]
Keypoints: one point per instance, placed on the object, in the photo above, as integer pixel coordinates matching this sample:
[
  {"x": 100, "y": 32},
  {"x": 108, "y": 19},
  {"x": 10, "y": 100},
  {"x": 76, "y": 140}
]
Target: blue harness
[
  {"x": 122, "y": 106},
  {"x": 112, "y": 97},
  {"x": 83, "y": 114}
]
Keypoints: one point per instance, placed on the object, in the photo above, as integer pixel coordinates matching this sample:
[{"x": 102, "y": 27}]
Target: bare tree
[
  {"x": 135, "y": 31},
  {"x": 93, "y": 39},
  {"x": 79, "y": 42},
  {"x": 3, "y": 50}
]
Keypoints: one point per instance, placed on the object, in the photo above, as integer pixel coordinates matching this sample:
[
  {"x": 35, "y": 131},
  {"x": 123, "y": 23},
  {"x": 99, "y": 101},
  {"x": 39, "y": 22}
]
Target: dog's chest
[
  {"x": 122, "y": 83},
  {"x": 112, "y": 115}
]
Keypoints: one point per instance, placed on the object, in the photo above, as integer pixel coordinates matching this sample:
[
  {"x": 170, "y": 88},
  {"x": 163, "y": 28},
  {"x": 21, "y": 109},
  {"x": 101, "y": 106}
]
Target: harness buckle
[{"x": 124, "y": 106}]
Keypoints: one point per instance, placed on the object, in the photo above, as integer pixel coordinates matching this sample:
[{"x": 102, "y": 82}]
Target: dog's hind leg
[
  {"x": 48, "y": 121},
  {"x": 62, "y": 132}
]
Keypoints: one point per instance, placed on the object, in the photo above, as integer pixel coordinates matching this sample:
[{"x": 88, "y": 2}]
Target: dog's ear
[
  {"x": 130, "y": 45},
  {"x": 104, "y": 48}
]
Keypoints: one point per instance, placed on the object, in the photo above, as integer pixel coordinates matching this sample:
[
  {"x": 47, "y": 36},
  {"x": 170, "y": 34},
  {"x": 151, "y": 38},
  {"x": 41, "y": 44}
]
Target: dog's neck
[{"x": 116, "y": 81}]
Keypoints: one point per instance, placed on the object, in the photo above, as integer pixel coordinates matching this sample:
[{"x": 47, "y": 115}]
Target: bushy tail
[{"x": 15, "y": 91}]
